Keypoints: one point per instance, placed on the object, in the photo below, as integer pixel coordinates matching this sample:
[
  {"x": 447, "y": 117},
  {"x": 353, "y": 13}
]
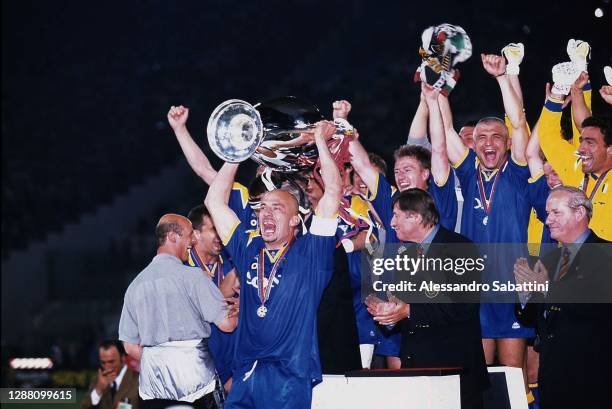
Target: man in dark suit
[
  {"x": 115, "y": 382},
  {"x": 437, "y": 334},
  {"x": 573, "y": 317}
]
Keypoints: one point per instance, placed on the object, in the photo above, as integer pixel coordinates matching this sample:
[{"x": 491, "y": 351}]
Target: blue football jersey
[{"x": 287, "y": 332}]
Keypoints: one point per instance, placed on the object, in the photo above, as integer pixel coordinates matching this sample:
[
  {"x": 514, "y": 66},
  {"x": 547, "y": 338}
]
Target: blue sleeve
[
  {"x": 519, "y": 173},
  {"x": 466, "y": 168},
  {"x": 445, "y": 199},
  {"x": 538, "y": 193},
  {"x": 382, "y": 200},
  {"x": 239, "y": 203}
]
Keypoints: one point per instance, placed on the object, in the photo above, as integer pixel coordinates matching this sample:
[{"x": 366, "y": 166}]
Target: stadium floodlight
[{"x": 31, "y": 363}]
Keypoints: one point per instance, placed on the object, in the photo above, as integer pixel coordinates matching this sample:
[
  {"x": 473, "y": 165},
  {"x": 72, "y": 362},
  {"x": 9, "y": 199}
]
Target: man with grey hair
[{"x": 573, "y": 316}]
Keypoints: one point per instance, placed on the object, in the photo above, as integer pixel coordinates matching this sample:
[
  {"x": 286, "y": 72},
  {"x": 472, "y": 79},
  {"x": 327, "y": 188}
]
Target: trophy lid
[{"x": 288, "y": 113}]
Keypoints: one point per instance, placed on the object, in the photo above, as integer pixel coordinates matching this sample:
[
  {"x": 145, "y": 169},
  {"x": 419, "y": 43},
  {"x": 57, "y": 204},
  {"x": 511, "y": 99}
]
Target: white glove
[
  {"x": 579, "y": 53},
  {"x": 514, "y": 53},
  {"x": 608, "y": 74},
  {"x": 564, "y": 75}
]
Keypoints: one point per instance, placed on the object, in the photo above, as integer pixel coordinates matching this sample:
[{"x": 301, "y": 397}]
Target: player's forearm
[
  {"x": 418, "y": 127},
  {"x": 362, "y": 165},
  {"x": 516, "y": 86},
  {"x": 532, "y": 153},
  {"x": 454, "y": 145},
  {"x": 512, "y": 103},
  {"x": 328, "y": 205},
  {"x": 514, "y": 110},
  {"x": 580, "y": 110},
  {"x": 194, "y": 155},
  {"x": 217, "y": 198},
  {"x": 439, "y": 157}
]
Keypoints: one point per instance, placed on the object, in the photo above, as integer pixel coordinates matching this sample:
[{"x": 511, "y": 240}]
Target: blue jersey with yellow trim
[
  {"x": 239, "y": 203},
  {"x": 288, "y": 332},
  {"x": 444, "y": 197},
  {"x": 510, "y": 205},
  {"x": 221, "y": 344},
  {"x": 359, "y": 219},
  {"x": 506, "y": 223}
]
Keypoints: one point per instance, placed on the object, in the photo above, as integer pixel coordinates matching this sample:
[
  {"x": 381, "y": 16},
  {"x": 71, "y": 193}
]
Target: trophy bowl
[
  {"x": 234, "y": 130},
  {"x": 277, "y": 133}
]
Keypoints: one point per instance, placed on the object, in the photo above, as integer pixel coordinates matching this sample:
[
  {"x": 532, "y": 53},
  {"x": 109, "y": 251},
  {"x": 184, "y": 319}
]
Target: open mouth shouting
[
  {"x": 268, "y": 226},
  {"x": 490, "y": 156}
]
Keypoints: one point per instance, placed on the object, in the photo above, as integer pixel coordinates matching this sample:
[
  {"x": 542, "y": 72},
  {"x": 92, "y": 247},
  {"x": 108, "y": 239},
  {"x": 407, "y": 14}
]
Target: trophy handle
[{"x": 234, "y": 130}]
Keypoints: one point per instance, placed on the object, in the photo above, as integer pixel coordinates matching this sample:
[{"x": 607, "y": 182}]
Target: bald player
[
  {"x": 282, "y": 278},
  {"x": 165, "y": 322}
]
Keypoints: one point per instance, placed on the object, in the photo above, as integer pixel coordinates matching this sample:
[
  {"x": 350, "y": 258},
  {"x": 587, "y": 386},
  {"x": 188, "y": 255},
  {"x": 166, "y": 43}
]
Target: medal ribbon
[
  {"x": 585, "y": 184},
  {"x": 264, "y": 293},
  {"x": 218, "y": 265},
  {"x": 488, "y": 203}
]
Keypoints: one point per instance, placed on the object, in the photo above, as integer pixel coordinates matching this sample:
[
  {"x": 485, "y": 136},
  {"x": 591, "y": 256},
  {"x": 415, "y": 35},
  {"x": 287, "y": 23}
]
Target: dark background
[{"x": 85, "y": 91}]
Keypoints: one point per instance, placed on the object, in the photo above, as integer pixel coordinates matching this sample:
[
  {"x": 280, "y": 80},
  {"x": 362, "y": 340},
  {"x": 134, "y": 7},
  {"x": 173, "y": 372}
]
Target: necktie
[
  {"x": 564, "y": 267},
  {"x": 113, "y": 390},
  {"x": 420, "y": 250}
]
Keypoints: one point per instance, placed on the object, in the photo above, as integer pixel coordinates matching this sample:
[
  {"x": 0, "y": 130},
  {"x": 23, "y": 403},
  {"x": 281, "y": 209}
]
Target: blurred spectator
[{"x": 115, "y": 382}]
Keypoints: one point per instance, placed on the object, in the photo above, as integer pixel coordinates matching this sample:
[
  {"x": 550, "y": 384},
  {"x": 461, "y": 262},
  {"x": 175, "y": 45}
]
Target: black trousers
[{"x": 205, "y": 402}]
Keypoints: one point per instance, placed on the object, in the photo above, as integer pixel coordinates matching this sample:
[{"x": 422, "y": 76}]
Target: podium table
[{"x": 431, "y": 388}]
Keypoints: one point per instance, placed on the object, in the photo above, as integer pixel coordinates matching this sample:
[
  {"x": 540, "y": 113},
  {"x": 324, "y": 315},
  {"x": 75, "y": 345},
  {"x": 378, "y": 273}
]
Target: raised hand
[
  {"x": 324, "y": 129},
  {"x": 581, "y": 81},
  {"x": 429, "y": 93},
  {"x": 341, "y": 109},
  {"x": 493, "y": 64},
  {"x": 105, "y": 378},
  {"x": 177, "y": 117},
  {"x": 525, "y": 274},
  {"x": 233, "y": 306}
]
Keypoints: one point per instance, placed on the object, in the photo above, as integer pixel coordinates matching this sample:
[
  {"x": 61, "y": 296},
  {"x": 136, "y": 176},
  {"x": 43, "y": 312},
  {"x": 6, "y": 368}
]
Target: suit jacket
[
  {"x": 574, "y": 336},
  {"x": 128, "y": 389},
  {"x": 447, "y": 334}
]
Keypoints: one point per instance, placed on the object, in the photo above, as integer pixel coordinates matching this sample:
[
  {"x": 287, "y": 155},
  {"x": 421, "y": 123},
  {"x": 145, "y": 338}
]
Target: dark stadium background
[{"x": 89, "y": 162}]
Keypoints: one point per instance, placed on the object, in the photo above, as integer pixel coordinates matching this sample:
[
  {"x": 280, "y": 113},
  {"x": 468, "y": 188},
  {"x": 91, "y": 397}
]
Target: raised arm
[
  {"x": 580, "y": 108},
  {"x": 455, "y": 147},
  {"x": 496, "y": 66},
  {"x": 559, "y": 152},
  {"x": 177, "y": 118},
  {"x": 330, "y": 201},
  {"x": 418, "y": 127},
  {"x": 223, "y": 217},
  {"x": 439, "y": 157},
  {"x": 532, "y": 153},
  {"x": 362, "y": 165}
]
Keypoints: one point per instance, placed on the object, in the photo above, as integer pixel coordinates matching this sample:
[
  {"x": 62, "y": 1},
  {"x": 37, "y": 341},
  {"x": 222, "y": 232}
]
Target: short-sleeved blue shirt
[{"x": 239, "y": 203}]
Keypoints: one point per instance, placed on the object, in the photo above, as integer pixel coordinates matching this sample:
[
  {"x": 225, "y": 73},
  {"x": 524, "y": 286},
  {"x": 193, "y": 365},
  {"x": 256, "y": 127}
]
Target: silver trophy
[{"x": 278, "y": 134}]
